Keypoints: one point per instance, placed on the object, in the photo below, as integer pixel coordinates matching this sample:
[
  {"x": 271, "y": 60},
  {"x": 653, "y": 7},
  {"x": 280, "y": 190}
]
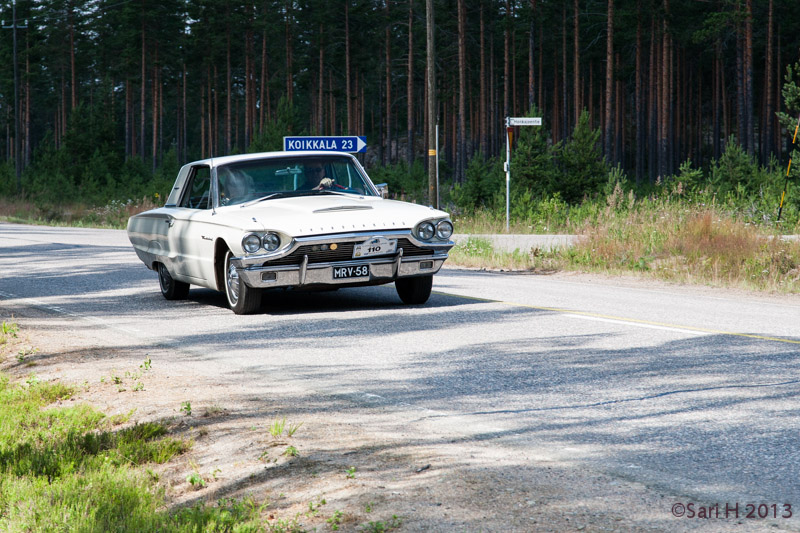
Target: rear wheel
[
  {"x": 242, "y": 299},
  {"x": 414, "y": 290},
  {"x": 172, "y": 289}
]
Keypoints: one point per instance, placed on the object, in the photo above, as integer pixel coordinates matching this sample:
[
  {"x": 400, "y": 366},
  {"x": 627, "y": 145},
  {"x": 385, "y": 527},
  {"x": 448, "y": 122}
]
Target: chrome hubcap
[{"x": 233, "y": 284}]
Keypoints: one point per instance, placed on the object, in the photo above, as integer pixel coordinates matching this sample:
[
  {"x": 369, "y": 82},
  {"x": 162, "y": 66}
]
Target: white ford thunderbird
[{"x": 244, "y": 224}]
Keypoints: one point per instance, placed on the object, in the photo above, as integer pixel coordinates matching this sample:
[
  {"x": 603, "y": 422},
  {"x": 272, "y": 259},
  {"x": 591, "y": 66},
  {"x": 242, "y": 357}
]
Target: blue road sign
[{"x": 354, "y": 144}]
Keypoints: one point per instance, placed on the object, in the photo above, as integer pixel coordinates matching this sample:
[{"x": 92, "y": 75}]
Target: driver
[{"x": 316, "y": 177}]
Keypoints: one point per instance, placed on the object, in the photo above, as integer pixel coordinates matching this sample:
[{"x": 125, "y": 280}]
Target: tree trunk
[
  {"x": 564, "y": 69},
  {"x": 557, "y": 127},
  {"x": 185, "y": 144},
  {"x": 228, "y": 84},
  {"x": 347, "y": 74},
  {"x": 484, "y": 119},
  {"x": 289, "y": 74},
  {"x": 768, "y": 90},
  {"x": 320, "y": 85},
  {"x": 143, "y": 103},
  {"x": 576, "y": 84},
  {"x": 263, "y": 105},
  {"x": 741, "y": 120},
  {"x": 748, "y": 76},
  {"x": 202, "y": 123},
  {"x": 388, "y": 36},
  {"x": 653, "y": 103},
  {"x": 531, "y": 52},
  {"x": 410, "y": 89},
  {"x": 665, "y": 98},
  {"x": 608, "y": 135},
  {"x": 717, "y": 99},
  {"x": 640, "y": 133},
  {"x": 155, "y": 107},
  {"x": 461, "y": 156},
  {"x": 27, "y": 150},
  {"x": 74, "y": 82}
]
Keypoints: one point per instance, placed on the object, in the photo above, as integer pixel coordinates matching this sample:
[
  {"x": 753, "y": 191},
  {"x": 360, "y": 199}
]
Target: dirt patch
[{"x": 348, "y": 472}]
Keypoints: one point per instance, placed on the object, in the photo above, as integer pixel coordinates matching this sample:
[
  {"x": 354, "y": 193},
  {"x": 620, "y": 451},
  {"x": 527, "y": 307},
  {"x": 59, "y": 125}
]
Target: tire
[
  {"x": 171, "y": 289},
  {"x": 414, "y": 291},
  {"x": 242, "y": 299}
]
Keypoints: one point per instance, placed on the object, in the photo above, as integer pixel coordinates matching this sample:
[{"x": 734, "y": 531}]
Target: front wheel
[
  {"x": 242, "y": 299},
  {"x": 414, "y": 291},
  {"x": 170, "y": 287}
]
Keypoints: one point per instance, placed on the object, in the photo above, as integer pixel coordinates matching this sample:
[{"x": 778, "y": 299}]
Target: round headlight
[
  {"x": 444, "y": 229},
  {"x": 271, "y": 242},
  {"x": 426, "y": 231},
  {"x": 251, "y": 243}
]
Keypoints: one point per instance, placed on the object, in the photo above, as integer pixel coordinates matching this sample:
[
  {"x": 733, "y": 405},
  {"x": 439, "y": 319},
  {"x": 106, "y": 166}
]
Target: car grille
[{"x": 343, "y": 252}]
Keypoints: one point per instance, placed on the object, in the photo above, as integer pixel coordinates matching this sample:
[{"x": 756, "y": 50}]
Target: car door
[{"x": 190, "y": 226}]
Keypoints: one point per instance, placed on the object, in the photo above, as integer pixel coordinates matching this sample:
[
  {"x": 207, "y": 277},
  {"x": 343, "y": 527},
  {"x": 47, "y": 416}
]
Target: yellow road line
[{"x": 625, "y": 319}]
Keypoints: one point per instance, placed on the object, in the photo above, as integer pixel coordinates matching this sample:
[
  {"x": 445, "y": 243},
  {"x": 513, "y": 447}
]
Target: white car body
[{"x": 199, "y": 236}]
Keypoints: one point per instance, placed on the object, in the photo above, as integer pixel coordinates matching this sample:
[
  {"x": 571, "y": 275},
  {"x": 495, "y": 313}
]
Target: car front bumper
[{"x": 257, "y": 272}]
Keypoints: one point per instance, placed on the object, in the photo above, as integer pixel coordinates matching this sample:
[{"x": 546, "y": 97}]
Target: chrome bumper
[
  {"x": 256, "y": 271},
  {"x": 381, "y": 270}
]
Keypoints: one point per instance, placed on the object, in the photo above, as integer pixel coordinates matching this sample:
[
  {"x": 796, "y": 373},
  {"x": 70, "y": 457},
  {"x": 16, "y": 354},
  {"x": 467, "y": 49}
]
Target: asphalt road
[{"x": 694, "y": 393}]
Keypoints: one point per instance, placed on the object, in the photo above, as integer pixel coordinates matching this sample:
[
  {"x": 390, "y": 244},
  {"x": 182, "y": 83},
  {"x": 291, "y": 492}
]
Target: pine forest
[{"x": 105, "y": 97}]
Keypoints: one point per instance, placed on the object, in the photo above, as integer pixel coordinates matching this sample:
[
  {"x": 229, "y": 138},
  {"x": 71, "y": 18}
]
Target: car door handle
[{"x": 170, "y": 221}]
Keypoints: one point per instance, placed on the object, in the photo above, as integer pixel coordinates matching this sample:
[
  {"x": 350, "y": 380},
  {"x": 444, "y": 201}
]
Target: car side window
[{"x": 198, "y": 189}]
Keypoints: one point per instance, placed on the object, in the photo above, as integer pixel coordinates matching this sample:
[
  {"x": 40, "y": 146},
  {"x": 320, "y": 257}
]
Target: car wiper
[
  {"x": 283, "y": 194},
  {"x": 338, "y": 193}
]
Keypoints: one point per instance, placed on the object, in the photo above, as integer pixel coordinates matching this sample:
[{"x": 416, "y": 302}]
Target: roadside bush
[
  {"x": 8, "y": 179},
  {"x": 484, "y": 186},
  {"x": 584, "y": 169},
  {"x": 533, "y": 166}
]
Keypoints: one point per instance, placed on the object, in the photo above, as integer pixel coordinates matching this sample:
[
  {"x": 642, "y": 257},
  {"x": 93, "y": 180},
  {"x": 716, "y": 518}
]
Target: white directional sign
[
  {"x": 524, "y": 121},
  {"x": 329, "y": 144}
]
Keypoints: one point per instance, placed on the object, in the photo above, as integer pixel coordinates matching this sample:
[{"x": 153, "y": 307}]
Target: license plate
[
  {"x": 359, "y": 271},
  {"x": 375, "y": 246}
]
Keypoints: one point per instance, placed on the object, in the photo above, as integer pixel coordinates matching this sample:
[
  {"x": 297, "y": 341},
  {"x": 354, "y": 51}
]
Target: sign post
[
  {"x": 510, "y": 123},
  {"x": 352, "y": 144}
]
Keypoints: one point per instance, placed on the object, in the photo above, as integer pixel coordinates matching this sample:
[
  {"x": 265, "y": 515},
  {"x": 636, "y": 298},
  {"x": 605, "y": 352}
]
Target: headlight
[
  {"x": 444, "y": 229},
  {"x": 271, "y": 242},
  {"x": 426, "y": 231},
  {"x": 251, "y": 243}
]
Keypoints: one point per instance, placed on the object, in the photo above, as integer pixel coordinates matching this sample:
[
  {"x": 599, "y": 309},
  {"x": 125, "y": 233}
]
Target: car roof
[{"x": 224, "y": 160}]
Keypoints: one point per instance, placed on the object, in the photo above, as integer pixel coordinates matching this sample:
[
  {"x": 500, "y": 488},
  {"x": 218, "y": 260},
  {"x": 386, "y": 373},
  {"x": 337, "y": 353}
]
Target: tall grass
[
  {"x": 670, "y": 237},
  {"x": 688, "y": 243},
  {"x": 113, "y": 215}
]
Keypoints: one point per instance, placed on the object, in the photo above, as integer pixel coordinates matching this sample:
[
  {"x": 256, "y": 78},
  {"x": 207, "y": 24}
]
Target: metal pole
[
  {"x": 508, "y": 175},
  {"x": 437, "y": 162},
  {"x": 17, "y": 158}
]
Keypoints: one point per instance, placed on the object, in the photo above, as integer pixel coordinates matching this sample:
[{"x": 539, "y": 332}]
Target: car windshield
[{"x": 289, "y": 176}]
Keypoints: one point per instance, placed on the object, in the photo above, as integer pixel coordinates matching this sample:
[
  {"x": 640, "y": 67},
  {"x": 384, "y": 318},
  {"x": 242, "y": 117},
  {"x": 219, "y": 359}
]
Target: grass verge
[
  {"x": 64, "y": 467},
  {"x": 667, "y": 241}
]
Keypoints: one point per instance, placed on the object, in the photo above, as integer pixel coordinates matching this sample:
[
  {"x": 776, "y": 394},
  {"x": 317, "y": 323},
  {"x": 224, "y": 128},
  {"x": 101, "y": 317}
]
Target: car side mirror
[{"x": 383, "y": 189}]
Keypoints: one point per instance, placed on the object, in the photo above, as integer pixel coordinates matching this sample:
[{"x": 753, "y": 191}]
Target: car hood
[{"x": 312, "y": 215}]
